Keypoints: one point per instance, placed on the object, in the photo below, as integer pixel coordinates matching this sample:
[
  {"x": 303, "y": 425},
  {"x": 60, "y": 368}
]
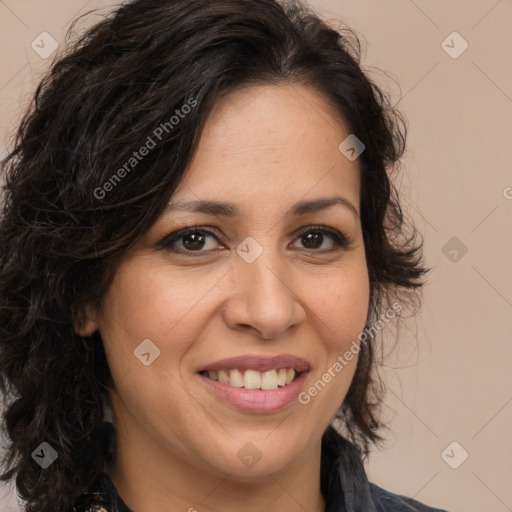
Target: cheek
[
  {"x": 146, "y": 301},
  {"x": 341, "y": 310},
  {"x": 341, "y": 303},
  {"x": 152, "y": 302}
]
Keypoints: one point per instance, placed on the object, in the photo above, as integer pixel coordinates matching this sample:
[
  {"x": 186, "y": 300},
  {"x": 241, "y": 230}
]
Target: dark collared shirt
[{"x": 344, "y": 485}]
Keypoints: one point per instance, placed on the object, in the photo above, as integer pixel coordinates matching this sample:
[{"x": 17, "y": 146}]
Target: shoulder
[
  {"x": 348, "y": 487},
  {"x": 387, "y": 501}
]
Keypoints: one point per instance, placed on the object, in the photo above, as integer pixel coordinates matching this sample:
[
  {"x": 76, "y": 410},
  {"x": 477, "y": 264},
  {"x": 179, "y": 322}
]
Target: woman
[{"x": 199, "y": 243}]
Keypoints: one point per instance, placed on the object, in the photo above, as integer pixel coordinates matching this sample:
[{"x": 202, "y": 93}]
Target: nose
[{"x": 263, "y": 297}]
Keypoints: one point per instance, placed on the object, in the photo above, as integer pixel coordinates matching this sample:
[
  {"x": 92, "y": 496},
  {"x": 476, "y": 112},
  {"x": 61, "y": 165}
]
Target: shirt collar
[{"x": 344, "y": 481}]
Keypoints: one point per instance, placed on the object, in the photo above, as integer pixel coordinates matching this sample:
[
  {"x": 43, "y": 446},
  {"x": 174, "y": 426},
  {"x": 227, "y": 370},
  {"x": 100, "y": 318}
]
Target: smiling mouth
[{"x": 253, "y": 379}]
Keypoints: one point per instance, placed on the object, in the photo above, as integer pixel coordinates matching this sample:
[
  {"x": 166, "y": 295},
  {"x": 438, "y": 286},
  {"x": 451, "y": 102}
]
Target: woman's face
[{"x": 263, "y": 278}]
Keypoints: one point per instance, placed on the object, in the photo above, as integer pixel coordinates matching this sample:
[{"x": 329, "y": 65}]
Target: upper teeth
[{"x": 252, "y": 379}]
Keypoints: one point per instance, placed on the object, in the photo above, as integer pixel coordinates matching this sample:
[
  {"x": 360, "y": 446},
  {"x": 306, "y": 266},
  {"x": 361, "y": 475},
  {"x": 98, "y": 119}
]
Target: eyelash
[{"x": 339, "y": 240}]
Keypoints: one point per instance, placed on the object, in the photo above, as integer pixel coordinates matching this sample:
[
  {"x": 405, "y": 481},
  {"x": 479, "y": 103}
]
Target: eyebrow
[{"x": 231, "y": 210}]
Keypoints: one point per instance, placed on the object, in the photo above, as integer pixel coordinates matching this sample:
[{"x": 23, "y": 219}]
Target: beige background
[{"x": 450, "y": 378}]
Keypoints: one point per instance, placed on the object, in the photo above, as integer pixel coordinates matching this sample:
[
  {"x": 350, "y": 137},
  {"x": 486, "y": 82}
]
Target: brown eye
[
  {"x": 313, "y": 238},
  {"x": 190, "y": 240},
  {"x": 194, "y": 241}
]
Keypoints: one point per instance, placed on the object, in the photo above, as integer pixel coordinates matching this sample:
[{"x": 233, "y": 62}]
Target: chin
[{"x": 256, "y": 454}]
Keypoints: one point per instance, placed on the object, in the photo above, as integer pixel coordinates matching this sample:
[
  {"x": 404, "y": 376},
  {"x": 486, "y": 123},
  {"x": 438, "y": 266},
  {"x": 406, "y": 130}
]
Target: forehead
[{"x": 271, "y": 141}]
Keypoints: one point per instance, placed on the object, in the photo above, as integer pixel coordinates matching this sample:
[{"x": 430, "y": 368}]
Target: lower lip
[{"x": 257, "y": 400}]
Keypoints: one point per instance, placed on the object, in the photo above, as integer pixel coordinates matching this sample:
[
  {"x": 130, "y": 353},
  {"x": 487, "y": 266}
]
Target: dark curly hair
[{"x": 60, "y": 239}]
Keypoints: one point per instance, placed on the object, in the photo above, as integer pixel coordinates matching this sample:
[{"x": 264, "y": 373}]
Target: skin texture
[{"x": 263, "y": 148}]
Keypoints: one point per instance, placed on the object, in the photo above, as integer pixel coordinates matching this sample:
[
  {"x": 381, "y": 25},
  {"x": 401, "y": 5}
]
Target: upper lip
[{"x": 259, "y": 363}]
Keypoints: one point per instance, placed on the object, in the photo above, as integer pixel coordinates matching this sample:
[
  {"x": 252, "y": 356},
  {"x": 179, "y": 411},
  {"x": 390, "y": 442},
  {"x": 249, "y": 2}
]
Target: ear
[{"x": 85, "y": 321}]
